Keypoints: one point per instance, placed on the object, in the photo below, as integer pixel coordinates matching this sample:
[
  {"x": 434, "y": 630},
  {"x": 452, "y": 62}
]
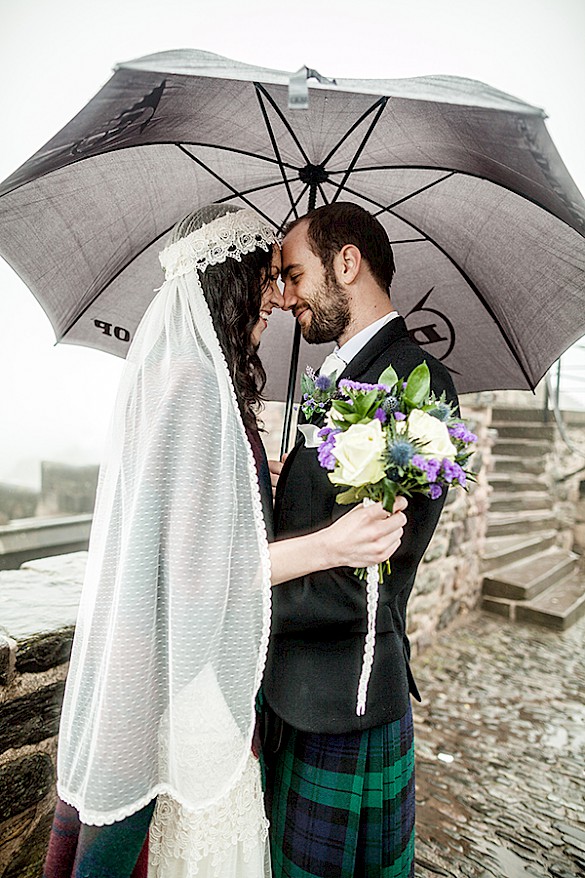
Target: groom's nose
[{"x": 290, "y": 299}]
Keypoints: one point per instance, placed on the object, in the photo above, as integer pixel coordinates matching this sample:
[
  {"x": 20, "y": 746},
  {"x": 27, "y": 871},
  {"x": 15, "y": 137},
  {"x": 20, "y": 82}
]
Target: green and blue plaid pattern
[{"x": 343, "y": 806}]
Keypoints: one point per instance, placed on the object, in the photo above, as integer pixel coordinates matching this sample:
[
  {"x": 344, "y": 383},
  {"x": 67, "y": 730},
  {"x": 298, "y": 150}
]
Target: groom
[{"x": 340, "y": 794}]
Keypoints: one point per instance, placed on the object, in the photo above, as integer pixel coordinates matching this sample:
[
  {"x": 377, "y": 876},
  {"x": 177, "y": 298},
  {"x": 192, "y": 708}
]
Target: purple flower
[
  {"x": 435, "y": 492},
  {"x": 325, "y": 452},
  {"x": 323, "y": 382},
  {"x": 359, "y": 385},
  {"x": 420, "y": 462},
  {"x": 452, "y": 472},
  {"x": 381, "y": 416},
  {"x": 400, "y": 416},
  {"x": 459, "y": 431},
  {"x": 433, "y": 468}
]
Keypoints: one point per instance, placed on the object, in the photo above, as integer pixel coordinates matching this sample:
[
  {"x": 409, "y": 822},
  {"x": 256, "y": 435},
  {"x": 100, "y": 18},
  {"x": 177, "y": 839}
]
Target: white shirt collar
[{"x": 352, "y": 347}]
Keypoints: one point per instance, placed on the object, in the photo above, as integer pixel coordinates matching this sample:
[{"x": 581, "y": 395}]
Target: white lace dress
[{"x": 229, "y": 839}]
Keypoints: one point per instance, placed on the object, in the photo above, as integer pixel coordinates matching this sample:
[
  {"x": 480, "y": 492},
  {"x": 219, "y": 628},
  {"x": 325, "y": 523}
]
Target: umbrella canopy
[{"x": 486, "y": 223}]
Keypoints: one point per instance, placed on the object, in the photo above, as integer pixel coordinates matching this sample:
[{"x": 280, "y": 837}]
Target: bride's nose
[{"x": 276, "y": 298}]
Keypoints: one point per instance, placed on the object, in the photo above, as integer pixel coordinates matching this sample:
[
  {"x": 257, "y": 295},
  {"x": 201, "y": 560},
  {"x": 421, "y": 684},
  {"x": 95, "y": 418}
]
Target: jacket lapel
[{"x": 387, "y": 336}]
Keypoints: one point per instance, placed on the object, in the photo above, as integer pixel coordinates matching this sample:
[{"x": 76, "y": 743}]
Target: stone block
[
  {"x": 44, "y": 651},
  {"x": 12, "y": 832},
  {"x": 428, "y": 580},
  {"x": 456, "y": 539},
  {"x": 24, "y": 782},
  {"x": 7, "y": 659},
  {"x": 448, "y": 614},
  {"x": 437, "y": 549},
  {"x": 28, "y": 862},
  {"x": 31, "y": 718}
]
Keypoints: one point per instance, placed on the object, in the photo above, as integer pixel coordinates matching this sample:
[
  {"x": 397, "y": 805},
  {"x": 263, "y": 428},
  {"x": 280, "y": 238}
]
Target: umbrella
[{"x": 487, "y": 226}]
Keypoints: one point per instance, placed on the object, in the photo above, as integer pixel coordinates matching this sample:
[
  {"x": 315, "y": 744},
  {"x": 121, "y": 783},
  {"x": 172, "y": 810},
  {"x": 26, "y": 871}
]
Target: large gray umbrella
[{"x": 486, "y": 223}]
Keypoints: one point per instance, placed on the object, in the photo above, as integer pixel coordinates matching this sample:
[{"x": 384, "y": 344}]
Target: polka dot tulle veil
[{"x": 173, "y": 624}]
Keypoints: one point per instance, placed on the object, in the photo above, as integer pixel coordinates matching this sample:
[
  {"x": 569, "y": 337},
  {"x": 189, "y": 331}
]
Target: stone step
[
  {"x": 525, "y": 579},
  {"x": 559, "y": 607},
  {"x": 529, "y": 521},
  {"x": 502, "y": 550},
  {"x": 512, "y": 430},
  {"x": 521, "y": 448},
  {"x": 511, "y": 481},
  {"x": 518, "y": 415},
  {"x": 507, "y": 501},
  {"x": 513, "y": 463}
]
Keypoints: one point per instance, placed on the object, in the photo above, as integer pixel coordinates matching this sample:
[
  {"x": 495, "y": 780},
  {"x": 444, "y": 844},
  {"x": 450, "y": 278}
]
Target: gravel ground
[{"x": 500, "y": 744}]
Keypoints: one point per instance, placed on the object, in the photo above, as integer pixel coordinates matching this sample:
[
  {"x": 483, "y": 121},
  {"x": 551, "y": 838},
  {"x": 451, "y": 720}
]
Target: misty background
[{"x": 54, "y": 57}]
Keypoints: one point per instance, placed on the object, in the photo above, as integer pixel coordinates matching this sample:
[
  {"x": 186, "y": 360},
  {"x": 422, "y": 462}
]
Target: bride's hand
[{"x": 366, "y": 535}]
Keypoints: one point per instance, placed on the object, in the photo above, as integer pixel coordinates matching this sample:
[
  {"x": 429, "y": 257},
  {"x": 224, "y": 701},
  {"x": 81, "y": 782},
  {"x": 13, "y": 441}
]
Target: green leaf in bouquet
[
  {"x": 390, "y": 490},
  {"x": 352, "y": 495},
  {"x": 342, "y": 407},
  {"x": 307, "y": 385},
  {"x": 354, "y": 418},
  {"x": 388, "y": 377},
  {"x": 418, "y": 386},
  {"x": 368, "y": 399}
]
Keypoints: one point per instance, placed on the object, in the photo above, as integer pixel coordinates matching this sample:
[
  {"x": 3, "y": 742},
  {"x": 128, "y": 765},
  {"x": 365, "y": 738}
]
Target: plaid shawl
[{"x": 116, "y": 851}]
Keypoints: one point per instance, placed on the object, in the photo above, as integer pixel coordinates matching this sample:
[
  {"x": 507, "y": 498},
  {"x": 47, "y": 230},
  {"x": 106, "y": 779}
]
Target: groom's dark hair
[{"x": 332, "y": 226}]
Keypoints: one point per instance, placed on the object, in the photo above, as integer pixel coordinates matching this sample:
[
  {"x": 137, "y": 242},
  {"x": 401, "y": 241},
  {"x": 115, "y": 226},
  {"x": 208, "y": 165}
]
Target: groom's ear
[{"x": 348, "y": 263}]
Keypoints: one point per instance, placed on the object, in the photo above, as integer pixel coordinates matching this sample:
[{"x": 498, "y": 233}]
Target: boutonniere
[{"x": 318, "y": 393}]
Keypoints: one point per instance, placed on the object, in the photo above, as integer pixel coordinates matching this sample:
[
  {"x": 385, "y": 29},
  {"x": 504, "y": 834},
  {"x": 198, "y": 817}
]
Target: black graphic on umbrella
[{"x": 486, "y": 224}]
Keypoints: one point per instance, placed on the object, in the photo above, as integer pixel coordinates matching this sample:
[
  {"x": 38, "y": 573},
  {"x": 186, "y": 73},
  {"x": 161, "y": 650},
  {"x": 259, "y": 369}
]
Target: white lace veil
[{"x": 173, "y": 624}]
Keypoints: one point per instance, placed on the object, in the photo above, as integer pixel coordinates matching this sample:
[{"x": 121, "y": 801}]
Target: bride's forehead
[{"x": 276, "y": 257}]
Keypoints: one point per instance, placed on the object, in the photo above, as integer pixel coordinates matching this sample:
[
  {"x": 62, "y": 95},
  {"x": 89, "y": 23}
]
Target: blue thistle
[
  {"x": 390, "y": 404},
  {"x": 323, "y": 382},
  {"x": 401, "y": 453},
  {"x": 442, "y": 411}
]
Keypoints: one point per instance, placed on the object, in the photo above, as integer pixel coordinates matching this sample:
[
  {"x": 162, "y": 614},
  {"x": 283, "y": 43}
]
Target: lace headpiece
[{"x": 228, "y": 236}]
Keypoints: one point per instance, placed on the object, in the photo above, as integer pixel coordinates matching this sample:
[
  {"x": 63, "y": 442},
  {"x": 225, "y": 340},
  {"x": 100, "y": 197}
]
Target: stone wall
[
  {"x": 449, "y": 578},
  {"x": 38, "y": 606}
]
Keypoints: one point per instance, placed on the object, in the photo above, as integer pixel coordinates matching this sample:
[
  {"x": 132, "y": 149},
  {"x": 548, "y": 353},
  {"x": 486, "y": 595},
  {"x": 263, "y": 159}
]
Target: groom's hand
[{"x": 275, "y": 467}]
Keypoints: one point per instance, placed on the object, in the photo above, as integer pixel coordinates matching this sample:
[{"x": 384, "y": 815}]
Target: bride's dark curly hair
[{"x": 233, "y": 290}]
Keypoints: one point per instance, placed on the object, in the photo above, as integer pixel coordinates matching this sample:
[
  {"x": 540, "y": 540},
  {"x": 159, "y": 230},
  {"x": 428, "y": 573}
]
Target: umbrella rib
[
  {"x": 227, "y": 185},
  {"x": 85, "y": 158},
  {"x": 252, "y": 155},
  {"x": 323, "y": 196},
  {"x": 360, "y": 149},
  {"x": 135, "y": 256},
  {"x": 458, "y": 267},
  {"x": 249, "y": 191},
  {"x": 293, "y": 208},
  {"x": 276, "y": 151},
  {"x": 352, "y": 128},
  {"x": 417, "y": 192},
  {"x": 283, "y": 119}
]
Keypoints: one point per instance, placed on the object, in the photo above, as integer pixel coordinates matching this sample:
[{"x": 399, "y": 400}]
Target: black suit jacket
[{"x": 319, "y": 621}]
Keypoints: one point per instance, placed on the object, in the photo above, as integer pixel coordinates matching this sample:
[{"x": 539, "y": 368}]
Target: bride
[{"x": 174, "y": 620}]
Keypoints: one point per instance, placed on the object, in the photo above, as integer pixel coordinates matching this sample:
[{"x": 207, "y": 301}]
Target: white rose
[
  {"x": 359, "y": 452},
  {"x": 432, "y": 435}
]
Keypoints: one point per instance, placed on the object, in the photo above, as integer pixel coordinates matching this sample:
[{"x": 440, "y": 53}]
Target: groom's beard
[{"x": 330, "y": 314}]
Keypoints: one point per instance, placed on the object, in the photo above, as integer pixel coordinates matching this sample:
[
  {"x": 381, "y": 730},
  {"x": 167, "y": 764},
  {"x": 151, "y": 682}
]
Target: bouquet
[{"x": 384, "y": 439}]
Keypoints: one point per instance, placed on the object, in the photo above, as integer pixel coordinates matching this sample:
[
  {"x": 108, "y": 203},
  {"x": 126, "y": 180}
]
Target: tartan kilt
[{"x": 343, "y": 805}]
